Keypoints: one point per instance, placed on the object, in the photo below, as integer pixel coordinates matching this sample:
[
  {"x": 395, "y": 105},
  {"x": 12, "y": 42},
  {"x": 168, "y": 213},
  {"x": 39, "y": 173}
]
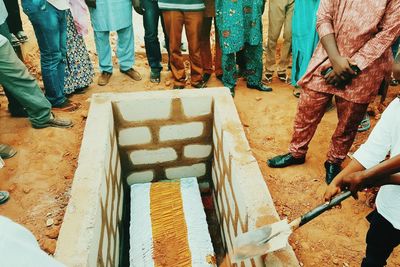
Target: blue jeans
[
  {"x": 50, "y": 27},
  {"x": 151, "y": 17},
  {"x": 125, "y": 49}
]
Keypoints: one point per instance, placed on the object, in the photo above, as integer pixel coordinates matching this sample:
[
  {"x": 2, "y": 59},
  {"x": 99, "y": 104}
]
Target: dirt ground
[{"x": 39, "y": 177}]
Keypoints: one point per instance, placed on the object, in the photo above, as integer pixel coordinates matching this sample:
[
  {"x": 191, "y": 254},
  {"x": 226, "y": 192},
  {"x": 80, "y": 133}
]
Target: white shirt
[
  {"x": 18, "y": 247},
  {"x": 3, "y": 12},
  {"x": 59, "y": 4},
  {"x": 384, "y": 138}
]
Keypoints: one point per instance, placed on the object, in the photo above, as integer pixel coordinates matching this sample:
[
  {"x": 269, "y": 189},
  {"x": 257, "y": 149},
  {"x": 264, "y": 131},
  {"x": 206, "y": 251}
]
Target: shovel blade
[{"x": 263, "y": 240}]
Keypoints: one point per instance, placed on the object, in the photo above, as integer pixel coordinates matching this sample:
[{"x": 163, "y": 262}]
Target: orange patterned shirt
[{"x": 364, "y": 31}]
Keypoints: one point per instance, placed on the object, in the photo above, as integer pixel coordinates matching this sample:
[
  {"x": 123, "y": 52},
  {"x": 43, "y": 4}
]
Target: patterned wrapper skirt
[{"x": 79, "y": 70}]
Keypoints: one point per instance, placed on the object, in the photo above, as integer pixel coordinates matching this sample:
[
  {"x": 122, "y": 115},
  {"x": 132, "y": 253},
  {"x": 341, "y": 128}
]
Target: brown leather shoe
[
  {"x": 133, "y": 74},
  {"x": 104, "y": 78}
]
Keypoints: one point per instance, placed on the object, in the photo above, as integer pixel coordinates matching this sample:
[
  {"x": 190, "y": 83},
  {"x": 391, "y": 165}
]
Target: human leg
[
  {"x": 22, "y": 86},
  {"x": 287, "y": 38},
  {"x": 276, "y": 19},
  {"x": 151, "y": 16},
  {"x": 350, "y": 115},
  {"x": 126, "y": 48},
  {"x": 49, "y": 25},
  {"x": 381, "y": 239},
  {"x": 310, "y": 110},
  {"x": 103, "y": 48},
  {"x": 205, "y": 47},
  {"x": 229, "y": 76},
  {"x": 14, "y": 17},
  {"x": 193, "y": 22},
  {"x": 173, "y": 24},
  {"x": 218, "y": 53}
]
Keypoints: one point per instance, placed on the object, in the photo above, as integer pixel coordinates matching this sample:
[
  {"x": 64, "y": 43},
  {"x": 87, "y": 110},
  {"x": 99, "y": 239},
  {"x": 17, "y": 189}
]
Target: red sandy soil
[{"x": 39, "y": 177}]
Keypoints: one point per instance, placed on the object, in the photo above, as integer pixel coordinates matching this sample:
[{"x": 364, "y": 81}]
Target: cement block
[
  {"x": 196, "y": 106},
  {"x": 134, "y": 136},
  {"x": 153, "y": 156},
  {"x": 145, "y": 109},
  {"x": 181, "y": 131},
  {"x": 196, "y": 170},
  {"x": 141, "y": 235},
  {"x": 197, "y": 151},
  {"x": 140, "y": 177},
  {"x": 230, "y": 199}
]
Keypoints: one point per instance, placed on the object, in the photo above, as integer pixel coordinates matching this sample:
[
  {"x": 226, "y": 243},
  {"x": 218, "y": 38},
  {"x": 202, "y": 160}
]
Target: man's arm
[
  {"x": 342, "y": 71},
  {"x": 375, "y": 47},
  {"x": 355, "y": 177},
  {"x": 341, "y": 67}
]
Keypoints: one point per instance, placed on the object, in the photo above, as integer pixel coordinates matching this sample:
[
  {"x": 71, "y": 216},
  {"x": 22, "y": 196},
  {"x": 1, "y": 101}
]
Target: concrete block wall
[
  {"x": 168, "y": 137},
  {"x": 91, "y": 232},
  {"x": 241, "y": 197}
]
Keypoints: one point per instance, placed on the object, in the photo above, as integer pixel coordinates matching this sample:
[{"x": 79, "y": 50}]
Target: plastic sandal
[
  {"x": 7, "y": 151},
  {"x": 4, "y": 196},
  {"x": 297, "y": 91},
  {"x": 364, "y": 125}
]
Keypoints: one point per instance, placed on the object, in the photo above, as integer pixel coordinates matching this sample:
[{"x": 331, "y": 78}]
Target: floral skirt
[{"x": 79, "y": 70}]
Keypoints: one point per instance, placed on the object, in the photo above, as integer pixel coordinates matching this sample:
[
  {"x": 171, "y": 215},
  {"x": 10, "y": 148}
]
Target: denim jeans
[
  {"x": 50, "y": 26},
  {"x": 151, "y": 17}
]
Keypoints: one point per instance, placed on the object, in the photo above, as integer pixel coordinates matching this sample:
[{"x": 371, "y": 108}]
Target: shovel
[{"x": 275, "y": 236}]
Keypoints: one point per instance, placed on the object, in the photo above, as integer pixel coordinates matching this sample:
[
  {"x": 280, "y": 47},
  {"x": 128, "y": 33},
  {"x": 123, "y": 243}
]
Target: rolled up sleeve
[
  {"x": 378, "y": 145},
  {"x": 382, "y": 41},
  {"x": 325, "y": 18}
]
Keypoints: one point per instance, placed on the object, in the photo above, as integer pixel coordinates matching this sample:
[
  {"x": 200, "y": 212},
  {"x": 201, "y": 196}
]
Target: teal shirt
[
  {"x": 239, "y": 22},
  {"x": 111, "y": 15},
  {"x": 304, "y": 36}
]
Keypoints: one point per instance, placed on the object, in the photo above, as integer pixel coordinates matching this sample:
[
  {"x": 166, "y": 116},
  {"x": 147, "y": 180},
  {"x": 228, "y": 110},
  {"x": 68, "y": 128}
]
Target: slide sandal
[
  {"x": 7, "y": 151},
  {"x": 4, "y": 196},
  {"x": 364, "y": 125}
]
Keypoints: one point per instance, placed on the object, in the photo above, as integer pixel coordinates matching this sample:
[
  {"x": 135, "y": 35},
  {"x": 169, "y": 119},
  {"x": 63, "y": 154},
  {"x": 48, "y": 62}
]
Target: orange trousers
[
  {"x": 206, "y": 55},
  {"x": 174, "y": 21}
]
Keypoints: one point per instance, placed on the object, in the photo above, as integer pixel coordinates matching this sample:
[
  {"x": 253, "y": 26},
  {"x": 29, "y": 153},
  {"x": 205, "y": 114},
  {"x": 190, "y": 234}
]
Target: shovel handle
[{"x": 324, "y": 207}]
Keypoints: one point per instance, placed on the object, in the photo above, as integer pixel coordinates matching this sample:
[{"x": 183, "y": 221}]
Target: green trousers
[
  {"x": 22, "y": 87},
  {"x": 252, "y": 57}
]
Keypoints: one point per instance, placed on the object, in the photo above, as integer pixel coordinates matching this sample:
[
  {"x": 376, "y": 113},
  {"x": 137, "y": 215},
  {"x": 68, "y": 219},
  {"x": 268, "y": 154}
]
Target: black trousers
[
  {"x": 14, "y": 17},
  {"x": 382, "y": 238}
]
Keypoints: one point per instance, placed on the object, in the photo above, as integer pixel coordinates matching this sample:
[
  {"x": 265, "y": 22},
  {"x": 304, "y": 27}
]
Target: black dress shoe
[
  {"x": 206, "y": 77},
  {"x": 332, "y": 170},
  {"x": 202, "y": 84},
  {"x": 283, "y": 161},
  {"x": 260, "y": 87},
  {"x": 178, "y": 87}
]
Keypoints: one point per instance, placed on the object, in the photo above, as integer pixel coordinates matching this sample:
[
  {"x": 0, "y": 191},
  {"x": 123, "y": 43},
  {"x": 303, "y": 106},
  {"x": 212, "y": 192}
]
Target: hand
[
  {"x": 353, "y": 182},
  {"x": 333, "y": 79},
  {"x": 137, "y": 6},
  {"x": 341, "y": 67}
]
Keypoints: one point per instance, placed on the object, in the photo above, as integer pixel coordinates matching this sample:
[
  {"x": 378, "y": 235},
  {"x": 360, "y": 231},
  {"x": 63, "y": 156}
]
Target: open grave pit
[{"x": 162, "y": 135}]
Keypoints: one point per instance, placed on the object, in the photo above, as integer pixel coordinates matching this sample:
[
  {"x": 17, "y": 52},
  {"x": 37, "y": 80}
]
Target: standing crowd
[{"x": 336, "y": 49}]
